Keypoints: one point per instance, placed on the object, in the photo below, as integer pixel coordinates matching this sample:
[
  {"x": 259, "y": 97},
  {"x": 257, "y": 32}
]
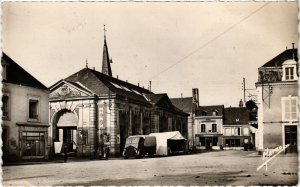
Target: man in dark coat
[{"x": 65, "y": 152}]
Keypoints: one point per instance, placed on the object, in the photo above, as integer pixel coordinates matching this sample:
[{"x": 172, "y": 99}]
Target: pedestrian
[
  {"x": 106, "y": 152},
  {"x": 65, "y": 152}
]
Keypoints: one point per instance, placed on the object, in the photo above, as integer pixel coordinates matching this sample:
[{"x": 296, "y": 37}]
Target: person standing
[{"x": 65, "y": 152}]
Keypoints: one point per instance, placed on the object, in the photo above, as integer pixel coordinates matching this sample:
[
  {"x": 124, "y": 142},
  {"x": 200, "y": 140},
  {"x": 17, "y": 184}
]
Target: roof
[
  {"x": 102, "y": 84},
  {"x": 279, "y": 59},
  {"x": 209, "y": 110},
  {"x": 106, "y": 69},
  {"x": 163, "y": 101},
  {"x": 185, "y": 104},
  {"x": 15, "y": 74},
  {"x": 236, "y": 116}
]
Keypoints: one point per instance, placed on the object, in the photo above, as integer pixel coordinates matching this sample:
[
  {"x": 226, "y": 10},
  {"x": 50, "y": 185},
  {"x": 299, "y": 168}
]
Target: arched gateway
[{"x": 65, "y": 124}]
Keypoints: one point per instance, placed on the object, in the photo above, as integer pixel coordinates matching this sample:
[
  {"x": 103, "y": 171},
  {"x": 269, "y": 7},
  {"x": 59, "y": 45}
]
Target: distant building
[
  {"x": 189, "y": 105},
  {"x": 25, "y": 114},
  {"x": 278, "y": 111},
  {"x": 91, "y": 109},
  {"x": 209, "y": 127},
  {"x": 236, "y": 128}
]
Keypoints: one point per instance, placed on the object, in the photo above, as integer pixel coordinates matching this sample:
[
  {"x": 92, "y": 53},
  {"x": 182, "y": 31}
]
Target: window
[
  {"x": 215, "y": 141},
  {"x": 203, "y": 113},
  {"x": 202, "y": 127},
  {"x": 4, "y": 71},
  {"x": 33, "y": 143},
  {"x": 289, "y": 70},
  {"x": 232, "y": 143},
  {"x": 214, "y": 127},
  {"x": 238, "y": 131},
  {"x": 227, "y": 131},
  {"x": 33, "y": 109},
  {"x": 5, "y": 107},
  {"x": 246, "y": 131},
  {"x": 289, "y": 108},
  {"x": 289, "y": 73}
]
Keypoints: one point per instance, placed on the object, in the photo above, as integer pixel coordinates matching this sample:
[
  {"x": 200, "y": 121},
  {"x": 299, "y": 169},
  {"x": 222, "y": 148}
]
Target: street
[{"x": 232, "y": 167}]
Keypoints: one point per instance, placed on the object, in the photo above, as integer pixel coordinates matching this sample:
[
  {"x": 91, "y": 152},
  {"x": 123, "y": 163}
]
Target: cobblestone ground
[{"x": 210, "y": 168}]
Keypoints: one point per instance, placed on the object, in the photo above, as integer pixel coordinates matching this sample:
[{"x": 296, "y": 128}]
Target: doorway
[
  {"x": 208, "y": 143},
  {"x": 291, "y": 138}
]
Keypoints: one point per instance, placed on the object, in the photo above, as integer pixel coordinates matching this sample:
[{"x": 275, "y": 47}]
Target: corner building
[{"x": 278, "y": 111}]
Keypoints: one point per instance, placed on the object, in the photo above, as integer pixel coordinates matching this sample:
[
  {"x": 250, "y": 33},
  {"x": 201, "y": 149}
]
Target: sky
[{"x": 177, "y": 46}]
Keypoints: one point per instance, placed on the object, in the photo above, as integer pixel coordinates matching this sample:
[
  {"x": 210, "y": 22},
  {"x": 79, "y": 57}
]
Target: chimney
[
  {"x": 196, "y": 96},
  {"x": 93, "y": 68},
  {"x": 295, "y": 54},
  {"x": 138, "y": 84},
  {"x": 117, "y": 77}
]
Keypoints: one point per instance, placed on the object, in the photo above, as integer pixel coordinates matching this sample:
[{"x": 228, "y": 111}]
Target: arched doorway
[
  {"x": 124, "y": 124},
  {"x": 65, "y": 129}
]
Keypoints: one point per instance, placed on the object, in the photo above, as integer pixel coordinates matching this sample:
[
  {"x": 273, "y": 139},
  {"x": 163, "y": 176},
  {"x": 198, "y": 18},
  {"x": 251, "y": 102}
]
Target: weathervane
[{"x": 86, "y": 62}]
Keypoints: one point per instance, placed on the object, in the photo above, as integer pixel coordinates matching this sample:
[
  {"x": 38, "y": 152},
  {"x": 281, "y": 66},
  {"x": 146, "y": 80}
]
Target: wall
[
  {"x": 18, "y": 113},
  {"x": 208, "y": 121},
  {"x": 270, "y": 114}
]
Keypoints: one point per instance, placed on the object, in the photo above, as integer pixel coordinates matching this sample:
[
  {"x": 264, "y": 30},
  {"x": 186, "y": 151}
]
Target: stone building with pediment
[{"x": 91, "y": 109}]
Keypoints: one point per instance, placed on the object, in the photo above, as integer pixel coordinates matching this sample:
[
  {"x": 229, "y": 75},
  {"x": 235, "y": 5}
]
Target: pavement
[{"x": 210, "y": 168}]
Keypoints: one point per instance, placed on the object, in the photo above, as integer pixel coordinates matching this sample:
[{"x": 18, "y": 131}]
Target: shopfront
[
  {"x": 208, "y": 141},
  {"x": 33, "y": 142}
]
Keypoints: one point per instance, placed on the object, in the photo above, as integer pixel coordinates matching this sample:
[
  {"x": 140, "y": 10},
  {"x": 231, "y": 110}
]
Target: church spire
[{"x": 106, "y": 69}]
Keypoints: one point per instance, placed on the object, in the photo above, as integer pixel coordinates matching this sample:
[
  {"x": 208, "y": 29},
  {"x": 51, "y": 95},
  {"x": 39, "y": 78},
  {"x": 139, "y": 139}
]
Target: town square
[{"x": 168, "y": 93}]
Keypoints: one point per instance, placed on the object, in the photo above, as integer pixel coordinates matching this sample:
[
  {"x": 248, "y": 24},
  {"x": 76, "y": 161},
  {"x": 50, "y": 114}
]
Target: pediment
[
  {"x": 66, "y": 89},
  {"x": 165, "y": 102}
]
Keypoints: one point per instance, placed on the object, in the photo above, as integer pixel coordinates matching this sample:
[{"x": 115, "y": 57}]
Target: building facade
[
  {"x": 189, "y": 105},
  {"x": 91, "y": 109},
  {"x": 25, "y": 117},
  {"x": 278, "y": 111},
  {"x": 209, "y": 127},
  {"x": 236, "y": 128}
]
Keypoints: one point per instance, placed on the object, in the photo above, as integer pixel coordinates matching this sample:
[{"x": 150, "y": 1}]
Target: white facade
[{"x": 25, "y": 131}]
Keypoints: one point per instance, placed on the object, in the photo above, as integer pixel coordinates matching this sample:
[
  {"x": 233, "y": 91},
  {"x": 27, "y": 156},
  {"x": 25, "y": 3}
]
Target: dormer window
[
  {"x": 289, "y": 70},
  {"x": 215, "y": 113},
  {"x": 203, "y": 113},
  {"x": 4, "y": 71}
]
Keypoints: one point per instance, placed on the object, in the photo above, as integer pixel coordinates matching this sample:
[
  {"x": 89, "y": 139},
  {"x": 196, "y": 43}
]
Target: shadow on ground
[{"x": 200, "y": 179}]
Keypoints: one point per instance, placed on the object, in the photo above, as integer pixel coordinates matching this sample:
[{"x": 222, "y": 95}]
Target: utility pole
[{"x": 244, "y": 89}]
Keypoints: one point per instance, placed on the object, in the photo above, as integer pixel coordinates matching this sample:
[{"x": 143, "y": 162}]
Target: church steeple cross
[{"x": 104, "y": 30}]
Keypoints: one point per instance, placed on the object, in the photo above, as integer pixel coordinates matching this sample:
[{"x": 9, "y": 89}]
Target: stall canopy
[{"x": 162, "y": 140}]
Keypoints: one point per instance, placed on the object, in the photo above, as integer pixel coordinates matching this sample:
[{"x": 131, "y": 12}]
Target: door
[
  {"x": 208, "y": 143},
  {"x": 291, "y": 138},
  {"x": 5, "y": 144},
  {"x": 68, "y": 134}
]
